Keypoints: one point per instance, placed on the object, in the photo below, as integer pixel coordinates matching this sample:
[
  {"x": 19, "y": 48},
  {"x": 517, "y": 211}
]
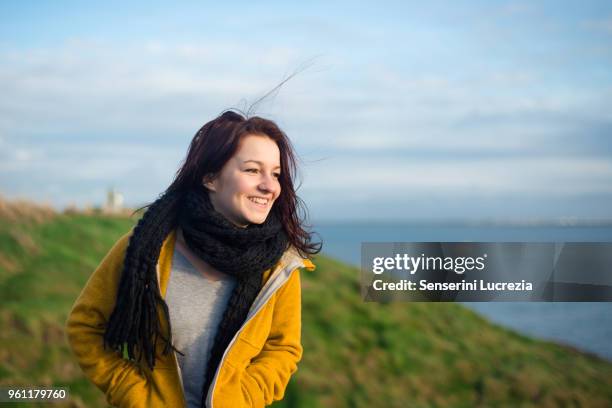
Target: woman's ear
[{"x": 208, "y": 181}]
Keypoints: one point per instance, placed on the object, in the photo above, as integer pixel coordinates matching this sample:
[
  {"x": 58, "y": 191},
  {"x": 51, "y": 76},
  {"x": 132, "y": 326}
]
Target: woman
[{"x": 202, "y": 297}]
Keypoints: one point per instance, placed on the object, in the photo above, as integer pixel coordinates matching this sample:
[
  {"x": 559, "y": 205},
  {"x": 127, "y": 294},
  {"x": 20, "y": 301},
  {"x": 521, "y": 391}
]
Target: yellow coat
[{"x": 254, "y": 370}]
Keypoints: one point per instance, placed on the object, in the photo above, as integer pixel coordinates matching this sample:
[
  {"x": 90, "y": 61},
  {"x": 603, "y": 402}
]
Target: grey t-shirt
[{"x": 196, "y": 305}]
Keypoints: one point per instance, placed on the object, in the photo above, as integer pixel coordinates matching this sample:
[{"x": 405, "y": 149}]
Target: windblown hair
[
  {"x": 218, "y": 140},
  {"x": 134, "y": 326}
]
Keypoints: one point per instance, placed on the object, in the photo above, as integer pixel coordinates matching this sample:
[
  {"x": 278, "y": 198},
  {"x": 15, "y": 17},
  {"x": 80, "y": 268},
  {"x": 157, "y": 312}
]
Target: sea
[{"x": 583, "y": 325}]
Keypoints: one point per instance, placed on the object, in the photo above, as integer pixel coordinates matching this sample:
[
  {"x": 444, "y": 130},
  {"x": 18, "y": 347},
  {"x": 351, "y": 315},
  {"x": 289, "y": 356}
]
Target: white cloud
[
  {"x": 162, "y": 93},
  {"x": 83, "y": 86},
  {"x": 401, "y": 177},
  {"x": 603, "y": 25},
  {"x": 23, "y": 155},
  {"x": 157, "y": 88}
]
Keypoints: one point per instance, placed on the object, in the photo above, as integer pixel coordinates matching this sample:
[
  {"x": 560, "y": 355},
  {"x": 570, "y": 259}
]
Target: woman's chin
[{"x": 257, "y": 218}]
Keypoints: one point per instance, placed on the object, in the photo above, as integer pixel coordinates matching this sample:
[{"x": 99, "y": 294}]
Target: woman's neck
[{"x": 203, "y": 267}]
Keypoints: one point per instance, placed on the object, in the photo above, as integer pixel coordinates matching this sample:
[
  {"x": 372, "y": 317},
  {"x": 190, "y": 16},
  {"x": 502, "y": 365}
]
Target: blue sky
[{"x": 405, "y": 110}]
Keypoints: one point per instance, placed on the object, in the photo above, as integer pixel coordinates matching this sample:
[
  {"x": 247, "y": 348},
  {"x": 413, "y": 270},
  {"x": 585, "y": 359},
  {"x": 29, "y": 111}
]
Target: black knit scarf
[{"x": 244, "y": 253}]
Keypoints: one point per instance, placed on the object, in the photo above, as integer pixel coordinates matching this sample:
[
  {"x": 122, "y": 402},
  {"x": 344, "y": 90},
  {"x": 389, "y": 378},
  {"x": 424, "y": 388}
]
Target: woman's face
[{"x": 248, "y": 184}]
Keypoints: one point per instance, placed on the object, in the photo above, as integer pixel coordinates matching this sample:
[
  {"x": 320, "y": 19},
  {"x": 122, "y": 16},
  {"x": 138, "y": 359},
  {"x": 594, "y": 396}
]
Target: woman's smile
[{"x": 259, "y": 201}]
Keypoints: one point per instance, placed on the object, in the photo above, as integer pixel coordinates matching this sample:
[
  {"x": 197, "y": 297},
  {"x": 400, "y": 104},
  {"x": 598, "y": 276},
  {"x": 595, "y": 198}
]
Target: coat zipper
[
  {"x": 291, "y": 268},
  {"x": 178, "y": 369}
]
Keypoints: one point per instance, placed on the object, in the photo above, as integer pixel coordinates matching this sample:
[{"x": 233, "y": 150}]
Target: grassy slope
[
  {"x": 48, "y": 263},
  {"x": 356, "y": 353}
]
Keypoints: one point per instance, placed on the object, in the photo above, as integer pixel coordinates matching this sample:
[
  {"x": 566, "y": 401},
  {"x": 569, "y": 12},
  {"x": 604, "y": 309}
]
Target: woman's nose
[{"x": 268, "y": 184}]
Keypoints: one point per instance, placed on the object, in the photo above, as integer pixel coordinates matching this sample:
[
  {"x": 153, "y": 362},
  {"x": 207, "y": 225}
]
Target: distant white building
[{"x": 114, "y": 201}]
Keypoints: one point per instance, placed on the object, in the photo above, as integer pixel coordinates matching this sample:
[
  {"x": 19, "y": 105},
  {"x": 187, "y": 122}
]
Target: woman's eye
[{"x": 276, "y": 175}]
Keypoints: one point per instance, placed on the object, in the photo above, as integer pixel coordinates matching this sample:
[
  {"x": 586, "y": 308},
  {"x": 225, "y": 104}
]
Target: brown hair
[{"x": 218, "y": 140}]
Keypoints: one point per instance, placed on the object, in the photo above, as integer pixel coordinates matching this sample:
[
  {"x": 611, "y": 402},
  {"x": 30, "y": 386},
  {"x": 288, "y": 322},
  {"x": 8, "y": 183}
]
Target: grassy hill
[{"x": 356, "y": 354}]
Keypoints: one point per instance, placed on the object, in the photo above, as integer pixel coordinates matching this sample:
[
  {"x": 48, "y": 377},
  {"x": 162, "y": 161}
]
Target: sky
[{"x": 399, "y": 110}]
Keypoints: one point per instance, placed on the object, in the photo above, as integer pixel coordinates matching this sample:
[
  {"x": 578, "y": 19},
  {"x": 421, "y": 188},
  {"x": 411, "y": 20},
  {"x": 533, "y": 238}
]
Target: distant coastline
[
  {"x": 481, "y": 222},
  {"x": 587, "y": 326}
]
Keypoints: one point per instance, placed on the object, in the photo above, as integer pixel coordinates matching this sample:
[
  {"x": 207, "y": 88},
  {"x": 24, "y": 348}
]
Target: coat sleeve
[
  {"x": 266, "y": 377},
  {"x": 116, "y": 377}
]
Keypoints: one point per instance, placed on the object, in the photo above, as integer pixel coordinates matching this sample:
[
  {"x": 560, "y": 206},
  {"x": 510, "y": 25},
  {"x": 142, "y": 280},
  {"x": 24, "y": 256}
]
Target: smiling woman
[
  {"x": 211, "y": 272},
  {"x": 249, "y": 182}
]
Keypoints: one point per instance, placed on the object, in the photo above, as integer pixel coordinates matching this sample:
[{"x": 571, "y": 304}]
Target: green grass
[
  {"x": 356, "y": 354},
  {"x": 49, "y": 264}
]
